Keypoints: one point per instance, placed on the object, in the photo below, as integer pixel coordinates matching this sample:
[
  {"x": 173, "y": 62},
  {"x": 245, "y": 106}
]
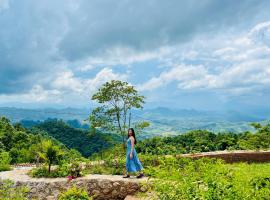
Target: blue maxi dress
[{"x": 132, "y": 165}]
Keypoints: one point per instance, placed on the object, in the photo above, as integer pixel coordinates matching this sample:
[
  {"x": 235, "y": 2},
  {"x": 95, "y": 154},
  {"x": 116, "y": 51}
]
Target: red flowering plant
[{"x": 75, "y": 170}]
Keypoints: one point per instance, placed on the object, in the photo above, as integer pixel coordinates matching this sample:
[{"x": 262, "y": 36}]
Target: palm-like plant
[{"x": 50, "y": 153}]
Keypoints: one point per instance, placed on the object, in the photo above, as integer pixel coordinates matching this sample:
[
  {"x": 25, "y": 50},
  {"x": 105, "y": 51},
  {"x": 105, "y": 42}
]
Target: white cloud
[
  {"x": 36, "y": 95},
  {"x": 86, "y": 68},
  {"x": 123, "y": 56},
  {"x": 65, "y": 87},
  {"x": 187, "y": 76},
  {"x": 68, "y": 83},
  {"x": 226, "y": 50},
  {"x": 39, "y": 94},
  {"x": 191, "y": 55},
  {"x": 261, "y": 33},
  {"x": 243, "y": 66},
  {"x": 103, "y": 76},
  {"x": 249, "y": 60}
]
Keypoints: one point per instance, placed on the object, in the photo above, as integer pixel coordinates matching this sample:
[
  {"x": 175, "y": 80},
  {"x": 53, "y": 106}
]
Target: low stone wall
[
  {"x": 101, "y": 186},
  {"x": 235, "y": 156}
]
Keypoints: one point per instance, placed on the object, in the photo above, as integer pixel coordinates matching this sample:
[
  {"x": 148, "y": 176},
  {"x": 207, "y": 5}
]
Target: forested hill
[
  {"x": 82, "y": 140},
  {"x": 21, "y": 145},
  {"x": 204, "y": 141},
  {"x": 18, "y": 145}
]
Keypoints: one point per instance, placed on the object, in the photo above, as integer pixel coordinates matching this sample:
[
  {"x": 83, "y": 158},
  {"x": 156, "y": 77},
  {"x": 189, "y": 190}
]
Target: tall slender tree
[{"x": 116, "y": 99}]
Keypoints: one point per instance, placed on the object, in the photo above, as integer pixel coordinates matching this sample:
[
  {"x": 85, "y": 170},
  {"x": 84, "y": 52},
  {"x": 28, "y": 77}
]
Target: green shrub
[
  {"x": 4, "y": 161},
  {"x": 74, "y": 193},
  {"x": 9, "y": 192},
  {"x": 98, "y": 169},
  {"x": 75, "y": 169},
  {"x": 4, "y": 168},
  {"x": 260, "y": 182},
  {"x": 261, "y": 187},
  {"x": 39, "y": 172},
  {"x": 60, "y": 171},
  {"x": 114, "y": 166}
]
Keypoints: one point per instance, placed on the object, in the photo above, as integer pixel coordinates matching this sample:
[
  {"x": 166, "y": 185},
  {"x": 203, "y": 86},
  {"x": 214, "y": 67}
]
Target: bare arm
[{"x": 132, "y": 147}]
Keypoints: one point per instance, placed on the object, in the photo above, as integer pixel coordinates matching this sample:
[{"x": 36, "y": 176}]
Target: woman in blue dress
[{"x": 132, "y": 161}]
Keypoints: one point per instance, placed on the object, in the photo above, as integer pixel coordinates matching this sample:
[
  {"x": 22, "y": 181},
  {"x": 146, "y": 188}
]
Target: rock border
[{"x": 102, "y": 187}]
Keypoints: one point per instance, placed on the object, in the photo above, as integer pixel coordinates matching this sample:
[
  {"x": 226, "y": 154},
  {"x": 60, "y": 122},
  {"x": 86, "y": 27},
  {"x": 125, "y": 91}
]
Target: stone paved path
[{"x": 21, "y": 175}]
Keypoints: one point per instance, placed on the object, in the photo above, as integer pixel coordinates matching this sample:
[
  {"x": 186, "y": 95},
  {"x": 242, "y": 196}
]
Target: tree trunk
[
  {"x": 129, "y": 119},
  {"x": 120, "y": 129},
  {"x": 49, "y": 167},
  {"x": 37, "y": 161},
  {"x": 124, "y": 142}
]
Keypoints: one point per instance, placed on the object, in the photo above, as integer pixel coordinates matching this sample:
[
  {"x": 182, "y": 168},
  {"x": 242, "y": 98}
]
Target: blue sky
[{"x": 207, "y": 54}]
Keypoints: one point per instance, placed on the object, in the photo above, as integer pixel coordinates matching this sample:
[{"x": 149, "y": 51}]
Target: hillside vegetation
[
  {"x": 18, "y": 145},
  {"x": 86, "y": 142},
  {"x": 204, "y": 141}
]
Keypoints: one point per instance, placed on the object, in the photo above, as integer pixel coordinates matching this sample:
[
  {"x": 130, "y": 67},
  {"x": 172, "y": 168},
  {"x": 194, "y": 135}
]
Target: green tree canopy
[{"x": 116, "y": 99}]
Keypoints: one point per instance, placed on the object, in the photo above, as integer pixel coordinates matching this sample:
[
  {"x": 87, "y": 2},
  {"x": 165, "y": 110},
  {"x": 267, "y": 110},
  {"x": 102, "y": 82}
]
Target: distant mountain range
[
  {"x": 164, "y": 121},
  {"x": 18, "y": 114},
  {"x": 232, "y": 116}
]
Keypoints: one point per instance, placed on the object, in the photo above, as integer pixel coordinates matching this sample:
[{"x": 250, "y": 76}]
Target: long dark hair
[{"x": 132, "y": 134}]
